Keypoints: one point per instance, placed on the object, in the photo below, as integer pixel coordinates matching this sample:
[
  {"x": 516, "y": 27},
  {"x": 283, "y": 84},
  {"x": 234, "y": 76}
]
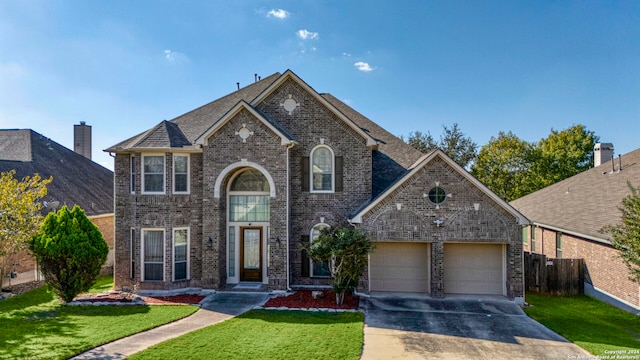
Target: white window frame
[
  {"x": 333, "y": 170},
  {"x": 188, "y": 261},
  {"x": 188, "y": 173},
  {"x": 132, "y": 257},
  {"x": 132, "y": 176},
  {"x": 311, "y": 239},
  {"x": 164, "y": 252},
  {"x": 164, "y": 174}
]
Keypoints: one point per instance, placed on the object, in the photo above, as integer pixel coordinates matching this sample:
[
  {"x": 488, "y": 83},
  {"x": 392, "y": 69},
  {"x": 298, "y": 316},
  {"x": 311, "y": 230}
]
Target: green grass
[
  {"x": 35, "y": 325},
  {"x": 104, "y": 283},
  {"x": 269, "y": 334},
  {"x": 591, "y": 324}
]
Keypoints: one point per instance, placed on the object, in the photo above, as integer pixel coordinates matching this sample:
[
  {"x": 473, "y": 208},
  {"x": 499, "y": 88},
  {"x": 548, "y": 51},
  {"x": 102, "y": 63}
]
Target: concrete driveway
[{"x": 407, "y": 326}]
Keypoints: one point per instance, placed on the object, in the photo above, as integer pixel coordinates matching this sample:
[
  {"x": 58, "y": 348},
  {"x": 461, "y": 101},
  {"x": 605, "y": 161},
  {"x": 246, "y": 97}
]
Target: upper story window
[
  {"x": 322, "y": 169},
  {"x": 133, "y": 174},
  {"x": 153, "y": 174},
  {"x": 181, "y": 174}
]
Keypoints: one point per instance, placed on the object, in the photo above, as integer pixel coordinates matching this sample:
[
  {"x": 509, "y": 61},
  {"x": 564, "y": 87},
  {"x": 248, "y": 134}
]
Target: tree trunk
[{"x": 340, "y": 297}]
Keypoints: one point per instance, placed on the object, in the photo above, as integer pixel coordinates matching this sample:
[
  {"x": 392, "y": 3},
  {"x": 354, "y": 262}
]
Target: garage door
[
  {"x": 400, "y": 267},
  {"x": 473, "y": 269}
]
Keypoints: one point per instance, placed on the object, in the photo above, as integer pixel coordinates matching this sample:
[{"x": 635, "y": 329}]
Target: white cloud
[
  {"x": 346, "y": 54},
  {"x": 305, "y": 34},
  {"x": 363, "y": 66},
  {"x": 278, "y": 13},
  {"x": 174, "y": 56}
]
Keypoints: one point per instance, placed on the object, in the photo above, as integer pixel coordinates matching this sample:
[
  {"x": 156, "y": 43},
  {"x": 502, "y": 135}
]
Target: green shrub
[{"x": 70, "y": 251}]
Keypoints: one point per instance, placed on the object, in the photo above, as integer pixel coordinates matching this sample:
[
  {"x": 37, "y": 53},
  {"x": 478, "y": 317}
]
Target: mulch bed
[
  {"x": 304, "y": 299},
  {"x": 123, "y": 297}
]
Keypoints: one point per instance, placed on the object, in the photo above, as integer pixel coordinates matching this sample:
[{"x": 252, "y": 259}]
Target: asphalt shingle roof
[
  {"x": 76, "y": 179},
  {"x": 586, "y": 202}
]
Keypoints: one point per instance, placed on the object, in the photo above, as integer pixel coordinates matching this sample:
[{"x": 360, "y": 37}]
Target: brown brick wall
[
  {"x": 605, "y": 269},
  {"x": 415, "y": 221}
]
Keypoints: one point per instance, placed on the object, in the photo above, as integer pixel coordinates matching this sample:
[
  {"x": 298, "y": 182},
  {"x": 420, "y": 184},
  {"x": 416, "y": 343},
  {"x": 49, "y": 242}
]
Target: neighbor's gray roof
[
  {"x": 584, "y": 203},
  {"x": 76, "y": 179}
]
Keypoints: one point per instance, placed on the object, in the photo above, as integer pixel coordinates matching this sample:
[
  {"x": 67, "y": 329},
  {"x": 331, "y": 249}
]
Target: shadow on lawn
[
  {"x": 36, "y": 316},
  {"x": 304, "y": 317}
]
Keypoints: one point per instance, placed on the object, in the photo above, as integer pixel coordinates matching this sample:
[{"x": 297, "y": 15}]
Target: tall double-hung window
[
  {"x": 153, "y": 174},
  {"x": 153, "y": 254},
  {"x": 180, "y": 253},
  {"x": 181, "y": 174},
  {"x": 319, "y": 268},
  {"x": 322, "y": 169}
]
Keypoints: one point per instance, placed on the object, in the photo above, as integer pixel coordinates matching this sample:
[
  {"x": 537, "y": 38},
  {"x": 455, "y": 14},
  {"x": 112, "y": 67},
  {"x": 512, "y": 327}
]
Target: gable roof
[
  {"x": 76, "y": 179},
  {"x": 371, "y": 142},
  {"x": 285, "y": 138},
  {"x": 586, "y": 202},
  {"x": 196, "y": 122},
  {"x": 420, "y": 164}
]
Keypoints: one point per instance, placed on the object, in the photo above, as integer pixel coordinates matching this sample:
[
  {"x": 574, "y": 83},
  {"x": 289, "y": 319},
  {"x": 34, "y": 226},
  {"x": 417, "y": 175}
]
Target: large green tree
[
  {"x": 565, "y": 153},
  {"x": 512, "y": 167},
  {"x": 347, "y": 251},
  {"x": 452, "y": 142},
  {"x": 70, "y": 251},
  {"x": 505, "y": 165},
  {"x": 19, "y": 212},
  {"x": 626, "y": 235}
]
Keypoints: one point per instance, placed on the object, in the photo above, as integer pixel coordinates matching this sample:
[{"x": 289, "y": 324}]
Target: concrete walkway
[{"x": 215, "y": 308}]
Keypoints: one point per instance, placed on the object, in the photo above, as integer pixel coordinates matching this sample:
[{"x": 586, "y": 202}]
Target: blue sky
[{"x": 490, "y": 66}]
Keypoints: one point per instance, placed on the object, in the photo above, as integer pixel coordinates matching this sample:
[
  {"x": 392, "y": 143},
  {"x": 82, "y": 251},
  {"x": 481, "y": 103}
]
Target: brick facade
[
  {"x": 605, "y": 270},
  {"x": 408, "y": 215},
  {"x": 277, "y": 141}
]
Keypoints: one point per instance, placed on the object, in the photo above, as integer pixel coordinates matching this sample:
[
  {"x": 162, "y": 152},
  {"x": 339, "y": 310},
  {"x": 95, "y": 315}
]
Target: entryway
[{"x": 251, "y": 254}]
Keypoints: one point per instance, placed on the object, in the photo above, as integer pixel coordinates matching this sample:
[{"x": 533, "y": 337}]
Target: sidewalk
[{"x": 215, "y": 308}]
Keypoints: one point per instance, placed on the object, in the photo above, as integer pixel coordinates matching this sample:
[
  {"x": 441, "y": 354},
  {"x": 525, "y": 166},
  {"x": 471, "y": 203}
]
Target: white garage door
[
  {"x": 473, "y": 269},
  {"x": 400, "y": 267}
]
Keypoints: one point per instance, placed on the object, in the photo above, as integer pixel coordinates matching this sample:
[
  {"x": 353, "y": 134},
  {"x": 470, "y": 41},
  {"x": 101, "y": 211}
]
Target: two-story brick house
[{"x": 226, "y": 194}]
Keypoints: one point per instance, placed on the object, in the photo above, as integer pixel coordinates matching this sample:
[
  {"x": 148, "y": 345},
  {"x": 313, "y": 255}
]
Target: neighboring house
[
  {"x": 568, "y": 220},
  {"x": 76, "y": 180},
  {"x": 227, "y": 193}
]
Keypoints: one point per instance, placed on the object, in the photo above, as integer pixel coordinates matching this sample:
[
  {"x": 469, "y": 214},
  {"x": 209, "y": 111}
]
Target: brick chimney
[
  {"x": 82, "y": 139},
  {"x": 602, "y": 152}
]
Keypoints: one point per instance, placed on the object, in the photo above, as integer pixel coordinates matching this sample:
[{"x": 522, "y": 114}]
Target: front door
[{"x": 250, "y": 254}]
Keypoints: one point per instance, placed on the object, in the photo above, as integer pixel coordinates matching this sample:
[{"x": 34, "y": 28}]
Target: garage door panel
[
  {"x": 400, "y": 267},
  {"x": 473, "y": 269}
]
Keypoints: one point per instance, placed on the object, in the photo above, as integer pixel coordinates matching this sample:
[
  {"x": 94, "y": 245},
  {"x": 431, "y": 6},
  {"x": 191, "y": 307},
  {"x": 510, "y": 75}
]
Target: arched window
[
  {"x": 319, "y": 268},
  {"x": 249, "y": 197},
  {"x": 322, "y": 169}
]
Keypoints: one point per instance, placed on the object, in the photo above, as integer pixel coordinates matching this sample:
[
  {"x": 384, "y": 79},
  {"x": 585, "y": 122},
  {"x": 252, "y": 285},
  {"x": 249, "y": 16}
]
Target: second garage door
[
  {"x": 473, "y": 269},
  {"x": 400, "y": 266}
]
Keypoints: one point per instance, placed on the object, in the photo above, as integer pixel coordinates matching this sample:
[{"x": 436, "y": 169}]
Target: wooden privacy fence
[{"x": 553, "y": 276}]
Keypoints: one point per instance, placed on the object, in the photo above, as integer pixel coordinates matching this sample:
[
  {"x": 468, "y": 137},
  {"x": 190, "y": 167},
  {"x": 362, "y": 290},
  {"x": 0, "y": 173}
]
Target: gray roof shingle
[
  {"x": 586, "y": 202},
  {"x": 76, "y": 179}
]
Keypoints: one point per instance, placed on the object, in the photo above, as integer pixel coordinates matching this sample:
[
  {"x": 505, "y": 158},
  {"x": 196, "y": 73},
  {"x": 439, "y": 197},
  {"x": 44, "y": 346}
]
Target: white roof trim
[
  {"x": 421, "y": 163},
  {"x": 371, "y": 142},
  {"x": 204, "y": 138}
]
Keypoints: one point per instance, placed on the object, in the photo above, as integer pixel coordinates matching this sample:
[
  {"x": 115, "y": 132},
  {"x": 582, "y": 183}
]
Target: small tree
[
  {"x": 70, "y": 251},
  {"x": 19, "y": 212},
  {"x": 626, "y": 236},
  {"x": 346, "y": 249}
]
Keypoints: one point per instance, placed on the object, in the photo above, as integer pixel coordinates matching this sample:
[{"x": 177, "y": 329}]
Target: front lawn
[
  {"x": 35, "y": 325},
  {"x": 103, "y": 283},
  {"x": 270, "y": 334},
  {"x": 591, "y": 324}
]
